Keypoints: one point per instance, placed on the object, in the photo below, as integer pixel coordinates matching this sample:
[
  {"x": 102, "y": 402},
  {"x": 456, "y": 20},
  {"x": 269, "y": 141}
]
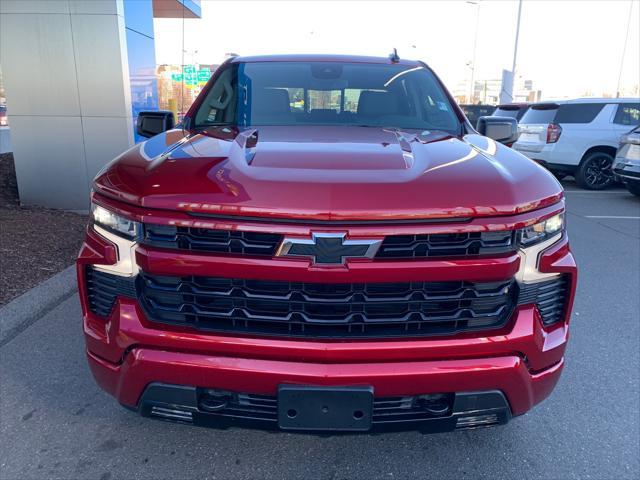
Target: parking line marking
[
  {"x": 598, "y": 192},
  {"x": 611, "y": 216}
]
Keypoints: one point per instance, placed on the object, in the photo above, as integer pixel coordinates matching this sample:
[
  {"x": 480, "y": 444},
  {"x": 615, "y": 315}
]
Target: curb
[{"x": 29, "y": 307}]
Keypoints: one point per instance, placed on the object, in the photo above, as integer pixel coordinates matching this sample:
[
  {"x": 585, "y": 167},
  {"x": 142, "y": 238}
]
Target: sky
[{"x": 568, "y": 48}]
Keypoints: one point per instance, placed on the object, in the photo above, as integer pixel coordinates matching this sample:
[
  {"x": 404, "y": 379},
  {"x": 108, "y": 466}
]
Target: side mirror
[
  {"x": 500, "y": 129},
  {"x": 153, "y": 123}
]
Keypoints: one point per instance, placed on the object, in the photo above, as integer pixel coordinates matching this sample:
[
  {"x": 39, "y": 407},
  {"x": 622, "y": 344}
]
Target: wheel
[
  {"x": 594, "y": 172},
  {"x": 633, "y": 187},
  {"x": 559, "y": 175}
]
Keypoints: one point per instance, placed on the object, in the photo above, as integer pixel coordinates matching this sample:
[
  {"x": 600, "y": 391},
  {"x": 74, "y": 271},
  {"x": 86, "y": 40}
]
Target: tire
[
  {"x": 633, "y": 188},
  {"x": 559, "y": 175},
  {"x": 594, "y": 172}
]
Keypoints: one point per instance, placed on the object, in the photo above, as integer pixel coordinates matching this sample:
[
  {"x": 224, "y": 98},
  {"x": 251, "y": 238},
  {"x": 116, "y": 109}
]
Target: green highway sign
[
  {"x": 191, "y": 76},
  {"x": 203, "y": 75}
]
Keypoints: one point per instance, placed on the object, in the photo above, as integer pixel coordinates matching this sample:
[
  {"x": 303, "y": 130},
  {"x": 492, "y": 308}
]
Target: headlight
[
  {"x": 542, "y": 231},
  {"x": 115, "y": 223}
]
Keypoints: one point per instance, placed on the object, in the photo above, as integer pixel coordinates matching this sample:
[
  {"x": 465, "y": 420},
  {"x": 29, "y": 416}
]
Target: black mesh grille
[
  {"x": 385, "y": 409},
  {"x": 549, "y": 296},
  {"x": 215, "y": 241},
  {"x": 393, "y": 246},
  {"x": 327, "y": 310},
  {"x": 103, "y": 288},
  {"x": 447, "y": 245}
]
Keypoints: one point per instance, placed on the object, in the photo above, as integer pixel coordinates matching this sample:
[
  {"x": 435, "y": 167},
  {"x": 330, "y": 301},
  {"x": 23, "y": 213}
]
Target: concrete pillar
[
  {"x": 76, "y": 73},
  {"x": 66, "y": 78}
]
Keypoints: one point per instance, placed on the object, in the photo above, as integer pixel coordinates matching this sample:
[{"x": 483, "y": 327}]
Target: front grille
[
  {"x": 330, "y": 310},
  {"x": 103, "y": 288},
  {"x": 208, "y": 240},
  {"x": 447, "y": 245},
  {"x": 327, "y": 310},
  {"x": 385, "y": 409},
  {"x": 549, "y": 296},
  {"x": 266, "y": 244}
]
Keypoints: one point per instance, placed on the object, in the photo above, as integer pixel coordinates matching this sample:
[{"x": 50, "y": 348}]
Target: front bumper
[
  {"x": 627, "y": 170},
  {"x": 413, "y": 367},
  {"x": 522, "y": 361}
]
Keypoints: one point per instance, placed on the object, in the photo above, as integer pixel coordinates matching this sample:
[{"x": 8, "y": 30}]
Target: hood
[{"x": 328, "y": 173}]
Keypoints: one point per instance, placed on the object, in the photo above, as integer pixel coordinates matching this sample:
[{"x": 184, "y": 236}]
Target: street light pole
[
  {"x": 515, "y": 51},
  {"x": 475, "y": 44}
]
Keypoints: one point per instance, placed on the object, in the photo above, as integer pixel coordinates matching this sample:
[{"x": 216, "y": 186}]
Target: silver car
[{"x": 627, "y": 162}]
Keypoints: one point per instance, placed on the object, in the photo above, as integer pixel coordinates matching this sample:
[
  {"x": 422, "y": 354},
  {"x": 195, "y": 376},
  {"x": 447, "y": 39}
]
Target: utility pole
[
  {"x": 475, "y": 44},
  {"x": 515, "y": 52},
  {"x": 624, "y": 49}
]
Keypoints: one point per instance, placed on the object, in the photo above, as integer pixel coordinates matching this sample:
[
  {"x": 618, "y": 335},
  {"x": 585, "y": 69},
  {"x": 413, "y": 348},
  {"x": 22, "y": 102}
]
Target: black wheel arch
[{"x": 600, "y": 148}]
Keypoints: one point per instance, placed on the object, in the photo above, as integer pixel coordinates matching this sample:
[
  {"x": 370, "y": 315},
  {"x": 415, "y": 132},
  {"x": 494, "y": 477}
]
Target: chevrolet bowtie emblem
[{"x": 328, "y": 248}]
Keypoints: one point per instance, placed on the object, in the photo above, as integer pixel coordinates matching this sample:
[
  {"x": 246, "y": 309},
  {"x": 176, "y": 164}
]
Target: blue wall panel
[
  {"x": 138, "y": 16},
  {"x": 142, "y": 57}
]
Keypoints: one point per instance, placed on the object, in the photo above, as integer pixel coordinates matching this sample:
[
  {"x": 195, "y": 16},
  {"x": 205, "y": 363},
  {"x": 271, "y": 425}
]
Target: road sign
[
  {"x": 203, "y": 75},
  {"x": 191, "y": 78}
]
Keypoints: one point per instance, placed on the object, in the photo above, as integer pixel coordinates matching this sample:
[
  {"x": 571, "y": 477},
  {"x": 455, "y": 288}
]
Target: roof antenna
[{"x": 394, "y": 57}]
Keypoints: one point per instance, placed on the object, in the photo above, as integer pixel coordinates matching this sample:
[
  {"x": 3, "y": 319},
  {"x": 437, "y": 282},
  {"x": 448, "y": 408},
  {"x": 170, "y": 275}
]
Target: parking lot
[{"x": 56, "y": 423}]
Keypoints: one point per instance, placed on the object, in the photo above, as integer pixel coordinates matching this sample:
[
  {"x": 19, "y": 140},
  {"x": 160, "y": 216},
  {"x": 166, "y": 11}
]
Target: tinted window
[
  {"x": 540, "y": 114},
  {"x": 473, "y": 112},
  {"x": 327, "y": 93},
  {"x": 506, "y": 112},
  {"x": 628, "y": 114},
  {"x": 578, "y": 112}
]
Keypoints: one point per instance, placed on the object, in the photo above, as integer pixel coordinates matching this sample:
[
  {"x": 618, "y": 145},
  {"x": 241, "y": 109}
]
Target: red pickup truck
[{"x": 326, "y": 244}]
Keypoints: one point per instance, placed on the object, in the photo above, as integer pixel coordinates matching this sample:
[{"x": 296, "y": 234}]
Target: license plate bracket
[{"x": 324, "y": 408}]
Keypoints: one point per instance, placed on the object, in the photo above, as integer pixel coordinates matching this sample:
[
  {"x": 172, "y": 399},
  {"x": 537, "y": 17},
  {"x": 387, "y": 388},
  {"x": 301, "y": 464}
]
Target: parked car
[
  {"x": 513, "y": 110},
  {"x": 577, "y": 137},
  {"x": 474, "y": 112},
  {"x": 627, "y": 163},
  {"x": 373, "y": 266}
]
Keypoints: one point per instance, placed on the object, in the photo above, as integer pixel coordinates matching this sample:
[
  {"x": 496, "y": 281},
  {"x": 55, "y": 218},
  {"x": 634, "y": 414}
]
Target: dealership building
[{"x": 76, "y": 73}]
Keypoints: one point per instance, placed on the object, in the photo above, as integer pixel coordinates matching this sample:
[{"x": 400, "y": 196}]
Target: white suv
[{"x": 578, "y": 137}]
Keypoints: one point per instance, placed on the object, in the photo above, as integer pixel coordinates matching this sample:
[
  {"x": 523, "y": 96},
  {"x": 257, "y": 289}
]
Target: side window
[
  {"x": 627, "y": 114},
  {"x": 578, "y": 112},
  {"x": 220, "y": 104}
]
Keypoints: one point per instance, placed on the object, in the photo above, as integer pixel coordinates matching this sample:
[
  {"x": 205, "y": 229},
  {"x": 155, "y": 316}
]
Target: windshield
[{"x": 327, "y": 93}]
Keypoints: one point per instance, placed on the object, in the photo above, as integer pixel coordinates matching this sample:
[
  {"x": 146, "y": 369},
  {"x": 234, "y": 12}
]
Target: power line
[{"x": 624, "y": 48}]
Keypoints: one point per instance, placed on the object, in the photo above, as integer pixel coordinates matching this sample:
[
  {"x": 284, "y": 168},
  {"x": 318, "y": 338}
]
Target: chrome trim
[
  {"x": 126, "y": 265},
  {"x": 528, "y": 271}
]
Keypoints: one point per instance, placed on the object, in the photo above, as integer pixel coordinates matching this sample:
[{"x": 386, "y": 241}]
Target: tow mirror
[
  {"x": 500, "y": 129},
  {"x": 153, "y": 123}
]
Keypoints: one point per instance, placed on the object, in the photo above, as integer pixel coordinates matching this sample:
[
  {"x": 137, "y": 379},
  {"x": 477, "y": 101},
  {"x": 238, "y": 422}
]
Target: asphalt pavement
[{"x": 56, "y": 423}]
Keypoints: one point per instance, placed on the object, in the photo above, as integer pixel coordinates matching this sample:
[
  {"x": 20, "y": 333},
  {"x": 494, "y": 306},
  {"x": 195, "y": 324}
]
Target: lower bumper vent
[
  {"x": 172, "y": 414},
  {"x": 550, "y": 297},
  {"x": 433, "y": 412},
  {"x": 103, "y": 288}
]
